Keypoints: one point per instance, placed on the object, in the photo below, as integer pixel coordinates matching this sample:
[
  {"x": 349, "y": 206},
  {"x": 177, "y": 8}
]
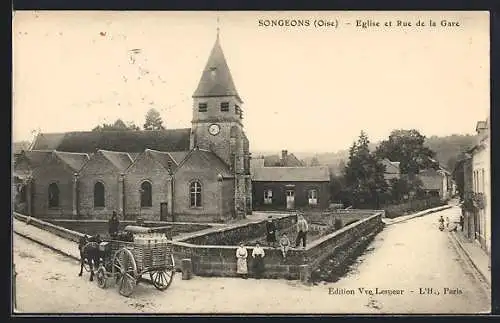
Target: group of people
[{"x": 271, "y": 238}]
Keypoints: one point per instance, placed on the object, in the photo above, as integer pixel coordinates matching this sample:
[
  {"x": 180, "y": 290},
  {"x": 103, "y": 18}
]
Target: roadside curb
[
  {"x": 469, "y": 257},
  {"x": 422, "y": 213}
]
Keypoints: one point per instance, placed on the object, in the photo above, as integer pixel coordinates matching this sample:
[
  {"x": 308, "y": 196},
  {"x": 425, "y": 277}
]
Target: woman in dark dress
[
  {"x": 271, "y": 232},
  {"x": 258, "y": 260}
]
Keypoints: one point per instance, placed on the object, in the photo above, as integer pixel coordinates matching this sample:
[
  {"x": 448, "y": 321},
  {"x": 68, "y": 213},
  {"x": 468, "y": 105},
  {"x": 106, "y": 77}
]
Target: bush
[{"x": 393, "y": 211}]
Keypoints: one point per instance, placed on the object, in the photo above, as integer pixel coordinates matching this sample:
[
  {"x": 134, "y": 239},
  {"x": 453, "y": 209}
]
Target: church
[{"x": 198, "y": 174}]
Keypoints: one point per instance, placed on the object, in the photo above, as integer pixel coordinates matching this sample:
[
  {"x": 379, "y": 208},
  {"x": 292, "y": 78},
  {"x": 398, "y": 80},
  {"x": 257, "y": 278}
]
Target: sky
[{"x": 305, "y": 88}]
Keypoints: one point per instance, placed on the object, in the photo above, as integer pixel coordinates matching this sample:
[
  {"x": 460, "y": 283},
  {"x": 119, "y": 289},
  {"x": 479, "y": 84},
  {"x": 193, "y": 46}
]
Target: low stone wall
[
  {"x": 210, "y": 259},
  {"x": 220, "y": 261},
  {"x": 342, "y": 240},
  {"x": 55, "y": 229},
  {"x": 232, "y": 235},
  {"x": 92, "y": 227},
  {"x": 393, "y": 211}
]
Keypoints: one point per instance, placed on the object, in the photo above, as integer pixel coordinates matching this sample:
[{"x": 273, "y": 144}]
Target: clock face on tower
[{"x": 214, "y": 129}]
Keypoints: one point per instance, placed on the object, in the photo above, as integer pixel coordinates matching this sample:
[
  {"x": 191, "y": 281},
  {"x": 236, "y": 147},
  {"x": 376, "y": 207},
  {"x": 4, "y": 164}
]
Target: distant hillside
[{"x": 447, "y": 149}]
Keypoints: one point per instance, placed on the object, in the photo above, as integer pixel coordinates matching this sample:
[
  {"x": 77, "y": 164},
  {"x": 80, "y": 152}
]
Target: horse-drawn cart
[{"x": 126, "y": 262}]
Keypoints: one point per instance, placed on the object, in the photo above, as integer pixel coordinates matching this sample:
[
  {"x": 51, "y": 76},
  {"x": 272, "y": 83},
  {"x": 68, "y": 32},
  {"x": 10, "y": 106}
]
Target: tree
[
  {"x": 153, "y": 120},
  {"x": 407, "y": 147},
  {"x": 118, "y": 125},
  {"x": 364, "y": 175},
  {"x": 401, "y": 188}
]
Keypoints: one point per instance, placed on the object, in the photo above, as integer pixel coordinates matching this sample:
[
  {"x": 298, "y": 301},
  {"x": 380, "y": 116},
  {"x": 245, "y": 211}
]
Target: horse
[{"x": 89, "y": 250}]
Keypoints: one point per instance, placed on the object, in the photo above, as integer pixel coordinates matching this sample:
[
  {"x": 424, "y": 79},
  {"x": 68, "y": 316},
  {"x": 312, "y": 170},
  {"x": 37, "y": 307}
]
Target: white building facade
[{"x": 481, "y": 170}]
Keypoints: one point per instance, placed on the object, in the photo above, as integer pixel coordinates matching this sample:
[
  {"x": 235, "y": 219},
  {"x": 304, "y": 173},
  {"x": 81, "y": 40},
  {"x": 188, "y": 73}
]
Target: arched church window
[
  {"x": 146, "y": 194},
  {"x": 195, "y": 194},
  {"x": 53, "y": 195},
  {"x": 99, "y": 196}
]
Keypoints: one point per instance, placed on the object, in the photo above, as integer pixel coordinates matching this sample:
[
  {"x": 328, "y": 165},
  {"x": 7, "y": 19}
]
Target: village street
[{"x": 409, "y": 257}]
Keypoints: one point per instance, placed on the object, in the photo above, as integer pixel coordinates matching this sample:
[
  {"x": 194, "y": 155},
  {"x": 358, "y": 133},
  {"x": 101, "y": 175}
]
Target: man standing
[
  {"x": 271, "y": 231},
  {"x": 302, "y": 229},
  {"x": 113, "y": 225}
]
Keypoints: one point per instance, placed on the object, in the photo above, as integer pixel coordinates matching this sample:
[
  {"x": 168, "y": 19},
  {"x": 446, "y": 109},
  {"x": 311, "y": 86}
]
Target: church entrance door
[
  {"x": 290, "y": 199},
  {"x": 163, "y": 211}
]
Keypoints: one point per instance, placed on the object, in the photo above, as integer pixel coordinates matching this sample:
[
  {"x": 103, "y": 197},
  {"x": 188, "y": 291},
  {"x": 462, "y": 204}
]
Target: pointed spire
[{"x": 216, "y": 79}]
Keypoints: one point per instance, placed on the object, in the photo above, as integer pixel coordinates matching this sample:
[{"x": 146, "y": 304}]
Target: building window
[
  {"x": 268, "y": 197},
  {"x": 99, "y": 195},
  {"x": 237, "y": 110},
  {"x": 202, "y": 107},
  {"x": 195, "y": 194},
  {"x": 53, "y": 195},
  {"x": 224, "y": 106},
  {"x": 312, "y": 196},
  {"x": 146, "y": 194}
]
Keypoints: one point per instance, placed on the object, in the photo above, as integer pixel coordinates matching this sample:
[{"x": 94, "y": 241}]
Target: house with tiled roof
[
  {"x": 201, "y": 173},
  {"x": 285, "y": 160},
  {"x": 392, "y": 170},
  {"x": 289, "y": 188}
]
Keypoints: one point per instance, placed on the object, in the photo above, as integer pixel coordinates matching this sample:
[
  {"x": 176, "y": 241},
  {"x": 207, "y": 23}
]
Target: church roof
[
  {"x": 204, "y": 159},
  {"x": 167, "y": 159},
  {"x": 291, "y": 174},
  {"x": 124, "y": 141},
  {"x": 74, "y": 160},
  {"x": 35, "y": 158},
  {"x": 216, "y": 79},
  {"x": 120, "y": 160}
]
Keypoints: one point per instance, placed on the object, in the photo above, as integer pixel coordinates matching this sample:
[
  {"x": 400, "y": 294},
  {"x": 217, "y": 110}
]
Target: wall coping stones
[{"x": 322, "y": 239}]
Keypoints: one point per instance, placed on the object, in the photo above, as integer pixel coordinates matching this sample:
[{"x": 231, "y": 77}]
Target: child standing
[{"x": 284, "y": 244}]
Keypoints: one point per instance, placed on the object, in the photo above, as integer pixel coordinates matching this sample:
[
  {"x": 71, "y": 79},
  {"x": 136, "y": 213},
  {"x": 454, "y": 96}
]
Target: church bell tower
[{"x": 217, "y": 123}]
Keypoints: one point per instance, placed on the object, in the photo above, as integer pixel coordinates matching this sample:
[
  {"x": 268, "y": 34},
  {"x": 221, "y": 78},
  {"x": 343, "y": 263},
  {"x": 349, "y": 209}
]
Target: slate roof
[
  {"x": 216, "y": 79},
  {"x": 47, "y": 141},
  {"x": 35, "y": 158},
  {"x": 207, "y": 160},
  {"x": 291, "y": 174},
  {"x": 178, "y": 156},
  {"x": 120, "y": 160},
  {"x": 125, "y": 141},
  {"x": 164, "y": 158},
  {"x": 74, "y": 160},
  {"x": 290, "y": 161}
]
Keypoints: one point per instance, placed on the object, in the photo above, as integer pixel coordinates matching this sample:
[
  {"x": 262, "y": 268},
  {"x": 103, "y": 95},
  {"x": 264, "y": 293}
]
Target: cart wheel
[
  {"x": 163, "y": 278},
  {"x": 101, "y": 276},
  {"x": 125, "y": 270}
]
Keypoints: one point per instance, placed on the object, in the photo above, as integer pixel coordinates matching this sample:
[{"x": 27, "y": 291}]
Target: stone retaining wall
[
  {"x": 92, "y": 227},
  {"x": 233, "y": 235},
  {"x": 220, "y": 261},
  {"x": 342, "y": 240}
]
